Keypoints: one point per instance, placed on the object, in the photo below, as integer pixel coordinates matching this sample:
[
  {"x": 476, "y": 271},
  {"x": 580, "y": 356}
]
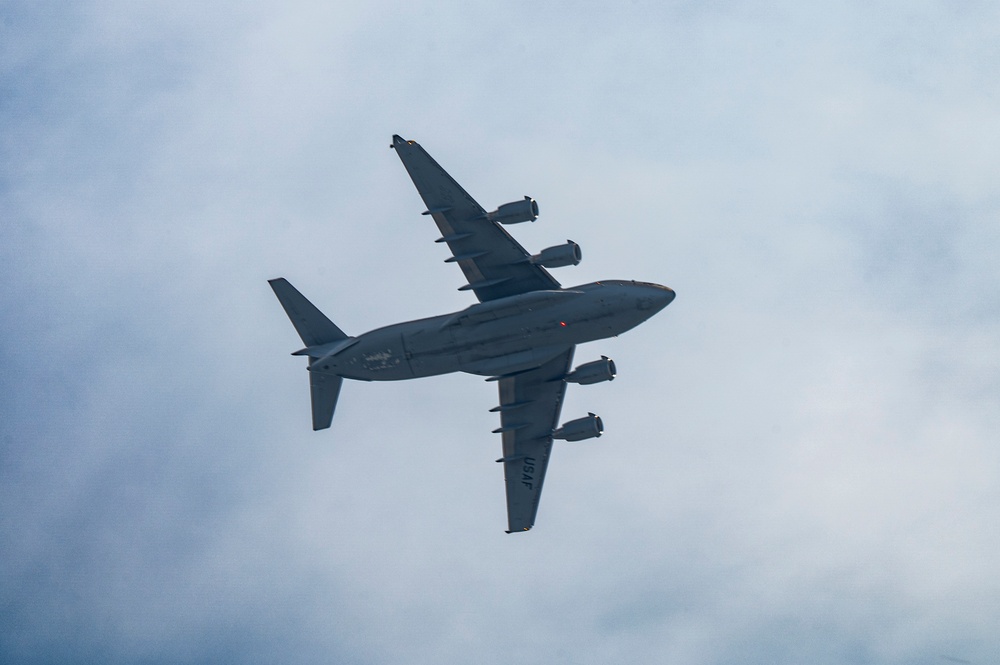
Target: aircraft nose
[
  {"x": 663, "y": 297},
  {"x": 655, "y": 297}
]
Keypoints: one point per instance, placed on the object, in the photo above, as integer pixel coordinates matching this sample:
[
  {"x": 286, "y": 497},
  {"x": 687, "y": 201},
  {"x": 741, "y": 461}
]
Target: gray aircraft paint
[
  {"x": 522, "y": 333},
  {"x": 519, "y": 338}
]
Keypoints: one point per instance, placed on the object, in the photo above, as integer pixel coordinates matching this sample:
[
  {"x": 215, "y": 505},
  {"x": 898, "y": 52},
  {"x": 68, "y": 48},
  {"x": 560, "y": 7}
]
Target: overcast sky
[{"x": 801, "y": 459}]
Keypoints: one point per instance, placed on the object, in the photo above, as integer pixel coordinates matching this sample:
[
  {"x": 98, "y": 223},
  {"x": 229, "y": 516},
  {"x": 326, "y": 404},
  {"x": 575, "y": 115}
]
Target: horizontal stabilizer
[
  {"x": 311, "y": 324},
  {"x": 324, "y": 350}
]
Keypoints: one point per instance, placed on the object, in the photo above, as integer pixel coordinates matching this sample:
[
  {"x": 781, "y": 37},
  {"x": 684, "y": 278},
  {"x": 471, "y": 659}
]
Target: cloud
[{"x": 800, "y": 462}]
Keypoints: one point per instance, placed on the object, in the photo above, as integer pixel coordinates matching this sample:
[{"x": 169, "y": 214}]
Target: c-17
[{"x": 521, "y": 334}]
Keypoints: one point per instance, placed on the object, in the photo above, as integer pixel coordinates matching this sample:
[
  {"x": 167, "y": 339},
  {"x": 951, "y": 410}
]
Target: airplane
[{"x": 521, "y": 334}]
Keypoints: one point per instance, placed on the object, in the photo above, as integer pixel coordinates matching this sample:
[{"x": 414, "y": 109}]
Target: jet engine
[
  {"x": 593, "y": 372},
  {"x": 515, "y": 212},
  {"x": 558, "y": 256},
  {"x": 582, "y": 428}
]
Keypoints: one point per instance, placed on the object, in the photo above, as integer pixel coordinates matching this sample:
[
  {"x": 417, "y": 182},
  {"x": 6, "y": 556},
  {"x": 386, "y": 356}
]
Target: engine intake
[
  {"x": 593, "y": 372},
  {"x": 558, "y": 256},
  {"x": 588, "y": 427},
  {"x": 515, "y": 212}
]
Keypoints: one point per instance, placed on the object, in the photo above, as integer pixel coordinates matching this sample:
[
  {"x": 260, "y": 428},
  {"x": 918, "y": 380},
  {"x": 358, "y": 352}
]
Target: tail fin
[{"x": 314, "y": 329}]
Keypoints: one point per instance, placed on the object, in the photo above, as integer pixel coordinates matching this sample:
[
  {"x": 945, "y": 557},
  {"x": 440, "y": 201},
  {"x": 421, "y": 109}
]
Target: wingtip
[{"x": 521, "y": 530}]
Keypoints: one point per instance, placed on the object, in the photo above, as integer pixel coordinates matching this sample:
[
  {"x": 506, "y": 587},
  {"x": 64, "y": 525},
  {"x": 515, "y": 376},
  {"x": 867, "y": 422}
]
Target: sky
[{"x": 801, "y": 458}]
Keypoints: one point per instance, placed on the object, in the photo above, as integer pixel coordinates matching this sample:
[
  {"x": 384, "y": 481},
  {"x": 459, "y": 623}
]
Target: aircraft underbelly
[
  {"x": 378, "y": 356},
  {"x": 511, "y": 343},
  {"x": 484, "y": 363},
  {"x": 430, "y": 351},
  {"x": 469, "y": 348}
]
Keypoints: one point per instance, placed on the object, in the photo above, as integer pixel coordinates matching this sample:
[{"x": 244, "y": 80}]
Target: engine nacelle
[
  {"x": 558, "y": 256},
  {"x": 588, "y": 427},
  {"x": 516, "y": 212},
  {"x": 593, "y": 372}
]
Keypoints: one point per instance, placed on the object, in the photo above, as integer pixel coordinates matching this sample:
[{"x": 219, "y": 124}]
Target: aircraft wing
[
  {"x": 495, "y": 265},
  {"x": 530, "y": 403}
]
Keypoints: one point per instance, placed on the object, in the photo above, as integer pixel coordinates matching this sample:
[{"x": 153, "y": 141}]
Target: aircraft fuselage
[{"x": 497, "y": 337}]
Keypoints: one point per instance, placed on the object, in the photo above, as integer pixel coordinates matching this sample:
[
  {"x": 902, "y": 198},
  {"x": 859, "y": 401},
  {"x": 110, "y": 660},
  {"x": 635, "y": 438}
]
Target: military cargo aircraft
[{"x": 521, "y": 334}]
